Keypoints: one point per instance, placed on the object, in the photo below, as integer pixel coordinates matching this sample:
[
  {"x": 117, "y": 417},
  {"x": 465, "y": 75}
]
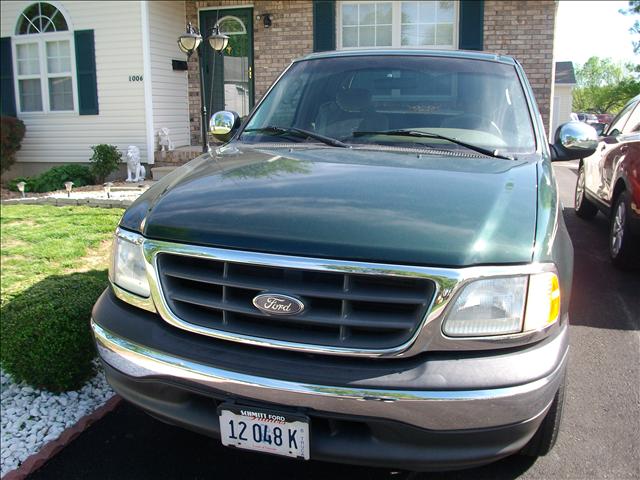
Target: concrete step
[{"x": 158, "y": 172}]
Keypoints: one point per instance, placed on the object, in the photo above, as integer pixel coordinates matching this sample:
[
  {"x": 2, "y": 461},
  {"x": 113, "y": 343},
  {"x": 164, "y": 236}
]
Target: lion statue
[{"x": 135, "y": 170}]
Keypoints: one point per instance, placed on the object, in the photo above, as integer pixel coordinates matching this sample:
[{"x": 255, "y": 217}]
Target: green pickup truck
[{"x": 373, "y": 269}]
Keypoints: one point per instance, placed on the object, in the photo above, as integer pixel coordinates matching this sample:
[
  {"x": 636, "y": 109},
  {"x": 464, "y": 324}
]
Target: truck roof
[{"x": 471, "y": 55}]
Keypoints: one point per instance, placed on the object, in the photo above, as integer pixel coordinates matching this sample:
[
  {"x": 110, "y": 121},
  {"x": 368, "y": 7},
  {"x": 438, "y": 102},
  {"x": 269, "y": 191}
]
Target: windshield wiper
[
  {"x": 415, "y": 133},
  {"x": 300, "y": 132}
]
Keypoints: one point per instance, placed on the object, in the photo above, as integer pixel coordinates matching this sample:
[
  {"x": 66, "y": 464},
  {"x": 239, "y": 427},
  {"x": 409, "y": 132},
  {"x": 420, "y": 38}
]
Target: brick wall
[
  {"x": 290, "y": 36},
  {"x": 524, "y": 30}
]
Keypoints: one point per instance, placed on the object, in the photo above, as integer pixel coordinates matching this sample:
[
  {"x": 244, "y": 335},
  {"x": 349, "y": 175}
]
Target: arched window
[
  {"x": 44, "y": 60},
  {"x": 41, "y": 17},
  {"x": 230, "y": 25}
]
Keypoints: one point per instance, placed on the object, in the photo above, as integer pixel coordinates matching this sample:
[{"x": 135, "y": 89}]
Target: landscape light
[
  {"x": 107, "y": 188},
  {"x": 68, "y": 186},
  {"x": 21, "y": 186}
]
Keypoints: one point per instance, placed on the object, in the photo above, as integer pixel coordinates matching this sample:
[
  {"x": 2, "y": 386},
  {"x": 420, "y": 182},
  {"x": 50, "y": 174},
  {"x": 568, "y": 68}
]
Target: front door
[{"x": 228, "y": 83}]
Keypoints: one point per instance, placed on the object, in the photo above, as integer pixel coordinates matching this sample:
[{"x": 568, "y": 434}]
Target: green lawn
[
  {"x": 40, "y": 240},
  {"x": 54, "y": 268}
]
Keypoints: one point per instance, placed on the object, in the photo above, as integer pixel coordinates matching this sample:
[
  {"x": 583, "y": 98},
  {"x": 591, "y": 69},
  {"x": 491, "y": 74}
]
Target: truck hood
[{"x": 380, "y": 205}]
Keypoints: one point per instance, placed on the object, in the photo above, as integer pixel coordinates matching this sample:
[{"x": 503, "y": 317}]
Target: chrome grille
[{"x": 344, "y": 310}]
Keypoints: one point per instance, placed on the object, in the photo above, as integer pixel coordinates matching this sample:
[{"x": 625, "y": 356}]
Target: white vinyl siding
[
  {"x": 562, "y": 106},
  {"x": 169, "y": 88},
  {"x": 67, "y": 137}
]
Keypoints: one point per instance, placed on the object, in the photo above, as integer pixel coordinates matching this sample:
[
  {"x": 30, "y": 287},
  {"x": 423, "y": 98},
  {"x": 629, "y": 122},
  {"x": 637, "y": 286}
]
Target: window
[
  {"x": 429, "y": 24},
  {"x": 482, "y": 103},
  {"x": 619, "y": 122},
  {"x": 231, "y": 26},
  {"x": 366, "y": 24},
  {"x": 633, "y": 124},
  {"x": 44, "y": 60}
]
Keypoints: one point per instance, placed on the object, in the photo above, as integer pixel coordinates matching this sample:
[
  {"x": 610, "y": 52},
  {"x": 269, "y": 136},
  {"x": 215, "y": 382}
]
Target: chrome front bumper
[{"x": 432, "y": 410}]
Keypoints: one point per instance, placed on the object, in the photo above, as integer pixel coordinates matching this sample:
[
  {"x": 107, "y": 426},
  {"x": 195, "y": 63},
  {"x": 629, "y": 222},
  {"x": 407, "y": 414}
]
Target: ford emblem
[{"x": 278, "y": 304}]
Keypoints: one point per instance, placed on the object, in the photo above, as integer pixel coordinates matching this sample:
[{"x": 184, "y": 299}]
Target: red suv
[{"x": 609, "y": 181}]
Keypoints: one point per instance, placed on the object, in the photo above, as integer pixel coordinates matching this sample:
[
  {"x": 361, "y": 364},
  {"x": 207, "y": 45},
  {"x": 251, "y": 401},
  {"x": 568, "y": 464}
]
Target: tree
[
  {"x": 604, "y": 86},
  {"x": 598, "y": 72},
  {"x": 634, "y": 9}
]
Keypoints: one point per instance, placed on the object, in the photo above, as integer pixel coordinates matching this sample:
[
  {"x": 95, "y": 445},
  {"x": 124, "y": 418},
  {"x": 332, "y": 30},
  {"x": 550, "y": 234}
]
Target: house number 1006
[{"x": 135, "y": 78}]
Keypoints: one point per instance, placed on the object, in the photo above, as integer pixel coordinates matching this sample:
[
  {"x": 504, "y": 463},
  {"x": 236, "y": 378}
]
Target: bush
[
  {"x": 105, "y": 160},
  {"x": 54, "y": 178},
  {"x": 46, "y": 337},
  {"x": 11, "y": 135}
]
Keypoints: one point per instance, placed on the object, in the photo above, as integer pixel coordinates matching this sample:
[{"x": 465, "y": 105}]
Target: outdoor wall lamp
[
  {"x": 218, "y": 41},
  {"x": 68, "y": 186},
  {"x": 189, "y": 43},
  {"x": 266, "y": 19}
]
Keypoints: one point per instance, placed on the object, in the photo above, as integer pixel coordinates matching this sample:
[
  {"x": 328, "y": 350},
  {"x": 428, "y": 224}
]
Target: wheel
[
  {"x": 545, "y": 438},
  {"x": 622, "y": 244},
  {"x": 584, "y": 208}
]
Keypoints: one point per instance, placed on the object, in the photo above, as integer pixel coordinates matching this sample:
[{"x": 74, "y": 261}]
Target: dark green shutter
[
  {"x": 86, "y": 70},
  {"x": 471, "y": 25},
  {"x": 7, "y": 93},
  {"x": 324, "y": 25}
]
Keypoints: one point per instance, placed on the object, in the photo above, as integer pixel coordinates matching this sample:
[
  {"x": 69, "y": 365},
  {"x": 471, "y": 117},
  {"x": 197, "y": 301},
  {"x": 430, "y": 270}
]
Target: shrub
[
  {"x": 11, "y": 135},
  {"x": 54, "y": 178},
  {"x": 46, "y": 337},
  {"x": 105, "y": 160}
]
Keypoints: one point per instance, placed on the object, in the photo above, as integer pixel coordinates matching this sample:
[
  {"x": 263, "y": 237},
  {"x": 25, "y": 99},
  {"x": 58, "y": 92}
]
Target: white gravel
[{"x": 30, "y": 418}]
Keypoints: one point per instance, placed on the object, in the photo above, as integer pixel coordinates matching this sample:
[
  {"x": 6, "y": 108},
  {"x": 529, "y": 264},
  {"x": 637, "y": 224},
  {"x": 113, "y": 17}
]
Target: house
[
  {"x": 83, "y": 73},
  {"x": 565, "y": 82},
  {"x": 80, "y": 73}
]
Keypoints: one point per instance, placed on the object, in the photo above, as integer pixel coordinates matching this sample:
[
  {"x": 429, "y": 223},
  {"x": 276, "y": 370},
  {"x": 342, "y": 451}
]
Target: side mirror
[
  {"x": 574, "y": 140},
  {"x": 224, "y": 124}
]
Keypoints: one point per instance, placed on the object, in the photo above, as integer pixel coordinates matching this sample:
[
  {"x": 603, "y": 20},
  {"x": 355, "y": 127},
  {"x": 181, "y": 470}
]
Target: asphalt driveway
[{"x": 600, "y": 437}]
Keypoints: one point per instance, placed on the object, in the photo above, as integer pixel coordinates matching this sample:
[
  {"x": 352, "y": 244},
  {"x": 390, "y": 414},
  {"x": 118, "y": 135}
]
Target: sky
[{"x": 593, "y": 28}]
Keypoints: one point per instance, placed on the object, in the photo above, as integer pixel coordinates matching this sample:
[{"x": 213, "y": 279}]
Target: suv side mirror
[
  {"x": 223, "y": 125},
  {"x": 574, "y": 140}
]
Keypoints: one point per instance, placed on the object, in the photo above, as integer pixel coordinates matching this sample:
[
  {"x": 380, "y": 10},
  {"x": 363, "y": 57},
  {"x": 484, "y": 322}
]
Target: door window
[
  {"x": 236, "y": 65},
  {"x": 633, "y": 125},
  {"x": 228, "y": 76},
  {"x": 618, "y": 123}
]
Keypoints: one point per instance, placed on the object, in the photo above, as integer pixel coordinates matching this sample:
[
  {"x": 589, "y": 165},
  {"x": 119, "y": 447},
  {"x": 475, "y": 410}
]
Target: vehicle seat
[{"x": 351, "y": 111}]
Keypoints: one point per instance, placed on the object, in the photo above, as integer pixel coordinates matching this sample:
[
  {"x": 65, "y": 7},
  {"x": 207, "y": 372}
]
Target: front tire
[
  {"x": 622, "y": 244},
  {"x": 584, "y": 208},
  {"x": 545, "y": 438}
]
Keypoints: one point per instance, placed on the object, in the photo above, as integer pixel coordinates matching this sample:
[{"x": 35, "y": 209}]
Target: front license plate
[{"x": 264, "y": 431}]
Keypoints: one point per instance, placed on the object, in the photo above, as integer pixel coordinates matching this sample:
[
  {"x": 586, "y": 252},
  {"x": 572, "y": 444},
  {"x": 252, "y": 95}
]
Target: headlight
[
  {"x": 505, "y": 305},
  {"x": 127, "y": 269}
]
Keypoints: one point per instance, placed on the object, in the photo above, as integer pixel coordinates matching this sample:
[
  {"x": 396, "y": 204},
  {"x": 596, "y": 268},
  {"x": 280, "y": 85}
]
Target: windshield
[{"x": 474, "y": 101}]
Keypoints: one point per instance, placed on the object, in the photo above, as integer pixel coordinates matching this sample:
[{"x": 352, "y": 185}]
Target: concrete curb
[
  {"x": 49, "y": 450},
  {"x": 65, "y": 202}
]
